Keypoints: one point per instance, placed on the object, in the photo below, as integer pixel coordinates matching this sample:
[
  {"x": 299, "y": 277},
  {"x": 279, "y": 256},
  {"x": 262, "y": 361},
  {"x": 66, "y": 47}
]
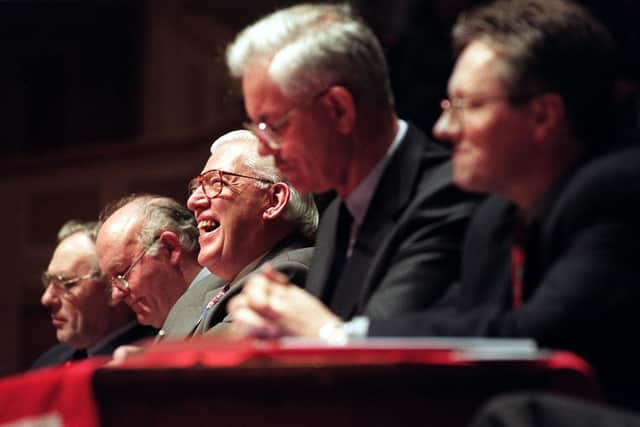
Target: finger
[
  {"x": 250, "y": 324},
  {"x": 274, "y": 275}
]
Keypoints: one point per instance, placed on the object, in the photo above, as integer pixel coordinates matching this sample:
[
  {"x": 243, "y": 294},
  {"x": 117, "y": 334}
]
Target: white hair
[
  {"x": 310, "y": 47},
  {"x": 301, "y": 209}
]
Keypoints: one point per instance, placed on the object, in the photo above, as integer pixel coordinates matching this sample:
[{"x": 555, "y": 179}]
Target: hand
[
  {"x": 271, "y": 307},
  {"x": 123, "y": 352}
]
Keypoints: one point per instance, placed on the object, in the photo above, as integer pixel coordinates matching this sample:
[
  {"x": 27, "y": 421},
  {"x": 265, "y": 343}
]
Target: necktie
[
  {"x": 343, "y": 234},
  {"x": 211, "y": 303},
  {"x": 517, "y": 264}
]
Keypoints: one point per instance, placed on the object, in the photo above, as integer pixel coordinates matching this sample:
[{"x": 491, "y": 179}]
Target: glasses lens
[
  {"x": 212, "y": 183},
  {"x": 192, "y": 186},
  {"x": 46, "y": 279},
  {"x": 120, "y": 283},
  {"x": 263, "y": 132}
]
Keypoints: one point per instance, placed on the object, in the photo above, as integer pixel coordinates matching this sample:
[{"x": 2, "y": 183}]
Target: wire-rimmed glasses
[
  {"x": 120, "y": 281},
  {"x": 268, "y": 134},
  {"x": 212, "y": 182},
  {"x": 64, "y": 283}
]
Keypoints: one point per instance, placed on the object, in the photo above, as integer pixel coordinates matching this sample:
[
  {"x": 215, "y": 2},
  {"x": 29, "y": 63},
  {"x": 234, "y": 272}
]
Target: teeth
[{"x": 208, "y": 225}]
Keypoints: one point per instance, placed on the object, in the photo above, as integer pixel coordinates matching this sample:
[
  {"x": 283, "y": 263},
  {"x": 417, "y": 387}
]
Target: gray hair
[
  {"x": 87, "y": 228},
  {"x": 301, "y": 209},
  {"x": 309, "y": 47},
  {"x": 160, "y": 213}
]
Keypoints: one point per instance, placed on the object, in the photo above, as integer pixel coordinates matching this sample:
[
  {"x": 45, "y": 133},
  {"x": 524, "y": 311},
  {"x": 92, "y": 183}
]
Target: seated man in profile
[
  {"x": 552, "y": 253},
  {"x": 148, "y": 248},
  {"x": 87, "y": 320},
  {"x": 248, "y": 214}
]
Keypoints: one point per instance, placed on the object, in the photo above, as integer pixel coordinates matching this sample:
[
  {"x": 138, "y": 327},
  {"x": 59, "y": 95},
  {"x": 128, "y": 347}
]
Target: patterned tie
[{"x": 211, "y": 303}]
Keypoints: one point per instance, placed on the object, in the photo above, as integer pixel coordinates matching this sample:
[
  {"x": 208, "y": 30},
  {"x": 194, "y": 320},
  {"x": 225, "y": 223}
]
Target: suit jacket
[
  {"x": 182, "y": 318},
  {"x": 61, "y": 353},
  {"x": 292, "y": 256},
  {"x": 581, "y": 276},
  {"x": 527, "y": 409},
  {"x": 407, "y": 250}
]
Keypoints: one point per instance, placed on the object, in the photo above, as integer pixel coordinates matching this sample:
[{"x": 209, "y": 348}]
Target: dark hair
[{"x": 549, "y": 46}]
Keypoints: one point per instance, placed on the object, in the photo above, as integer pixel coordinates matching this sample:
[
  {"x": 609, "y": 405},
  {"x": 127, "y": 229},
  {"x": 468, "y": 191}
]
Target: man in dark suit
[
  {"x": 552, "y": 254},
  {"x": 247, "y": 214},
  {"x": 319, "y": 99},
  {"x": 87, "y": 321}
]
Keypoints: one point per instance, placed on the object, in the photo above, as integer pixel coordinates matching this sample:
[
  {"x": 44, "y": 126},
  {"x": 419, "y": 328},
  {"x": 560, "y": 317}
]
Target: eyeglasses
[
  {"x": 212, "y": 182},
  {"x": 120, "y": 281},
  {"x": 64, "y": 284},
  {"x": 457, "y": 106},
  {"x": 268, "y": 134}
]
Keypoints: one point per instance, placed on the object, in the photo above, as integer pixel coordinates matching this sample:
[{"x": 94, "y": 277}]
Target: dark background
[{"x": 71, "y": 70}]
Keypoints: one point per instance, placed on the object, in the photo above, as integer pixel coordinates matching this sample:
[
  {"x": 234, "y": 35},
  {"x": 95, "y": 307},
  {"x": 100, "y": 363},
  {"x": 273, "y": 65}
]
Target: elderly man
[
  {"x": 317, "y": 92},
  {"x": 248, "y": 215},
  {"x": 148, "y": 248},
  {"x": 553, "y": 254},
  {"x": 87, "y": 321}
]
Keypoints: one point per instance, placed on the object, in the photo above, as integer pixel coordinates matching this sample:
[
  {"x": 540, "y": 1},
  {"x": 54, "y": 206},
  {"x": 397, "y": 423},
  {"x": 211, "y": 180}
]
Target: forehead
[
  {"x": 118, "y": 233},
  {"x": 476, "y": 71},
  {"x": 74, "y": 253},
  {"x": 262, "y": 96}
]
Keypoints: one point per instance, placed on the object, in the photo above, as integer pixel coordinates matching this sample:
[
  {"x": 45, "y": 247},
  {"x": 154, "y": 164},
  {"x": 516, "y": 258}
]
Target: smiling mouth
[{"x": 208, "y": 226}]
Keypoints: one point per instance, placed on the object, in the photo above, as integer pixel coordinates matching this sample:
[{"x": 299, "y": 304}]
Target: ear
[
  {"x": 277, "y": 200},
  {"x": 171, "y": 243},
  {"x": 342, "y": 108},
  {"x": 548, "y": 115}
]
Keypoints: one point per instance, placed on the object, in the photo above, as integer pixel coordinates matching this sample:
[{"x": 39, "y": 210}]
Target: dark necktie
[
  {"x": 79, "y": 354},
  {"x": 517, "y": 263},
  {"x": 343, "y": 234}
]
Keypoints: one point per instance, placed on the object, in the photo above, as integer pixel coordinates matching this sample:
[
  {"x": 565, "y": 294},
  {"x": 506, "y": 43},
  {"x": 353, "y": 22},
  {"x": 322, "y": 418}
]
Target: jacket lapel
[{"x": 392, "y": 195}]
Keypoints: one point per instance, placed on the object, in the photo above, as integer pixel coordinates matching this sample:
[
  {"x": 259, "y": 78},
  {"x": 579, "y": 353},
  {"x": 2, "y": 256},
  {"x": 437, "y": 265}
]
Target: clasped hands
[{"x": 269, "y": 306}]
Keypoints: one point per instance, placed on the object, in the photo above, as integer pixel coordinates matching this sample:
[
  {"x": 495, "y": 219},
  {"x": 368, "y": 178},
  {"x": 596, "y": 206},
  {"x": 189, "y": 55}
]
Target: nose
[
  {"x": 49, "y": 297},
  {"x": 118, "y": 294},
  {"x": 197, "y": 200},
  {"x": 447, "y": 127}
]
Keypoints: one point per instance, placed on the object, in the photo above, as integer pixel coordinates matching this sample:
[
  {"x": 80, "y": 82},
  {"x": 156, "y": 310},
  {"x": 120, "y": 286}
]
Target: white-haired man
[
  {"x": 316, "y": 89},
  {"x": 248, "y": 215}
]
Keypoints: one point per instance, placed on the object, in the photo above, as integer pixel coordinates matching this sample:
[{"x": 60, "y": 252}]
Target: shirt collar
[{"x": 359, "y": 199}]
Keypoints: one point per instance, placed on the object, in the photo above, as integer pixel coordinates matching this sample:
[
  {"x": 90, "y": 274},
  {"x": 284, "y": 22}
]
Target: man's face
[
  {"x": 232, "y": 222},
  {"x": 79, "y": 313},
  {"x": 152, "y": 280},
  {"x": 490, "y": 137},
  {"x": 312, "y": 154}
]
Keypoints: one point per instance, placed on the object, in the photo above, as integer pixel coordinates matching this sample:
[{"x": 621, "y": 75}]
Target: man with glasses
[
  {"x": 148, "y": 249},
  {"x": 248, "y": 215},
  {"x": 87, "y": 320},
  {"x": 317, "y": 94},
  {"x": 552, "y": 254}
]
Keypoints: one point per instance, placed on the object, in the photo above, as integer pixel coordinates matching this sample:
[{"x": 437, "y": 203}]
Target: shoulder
[
  {"x": 57, "y": 354},
  {"x": 603, "y": 186}
]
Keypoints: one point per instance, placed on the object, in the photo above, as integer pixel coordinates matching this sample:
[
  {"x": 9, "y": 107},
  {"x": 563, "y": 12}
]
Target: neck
[
  {"x": 373, "y": 134},
  {"x": 541, "y": 176}
]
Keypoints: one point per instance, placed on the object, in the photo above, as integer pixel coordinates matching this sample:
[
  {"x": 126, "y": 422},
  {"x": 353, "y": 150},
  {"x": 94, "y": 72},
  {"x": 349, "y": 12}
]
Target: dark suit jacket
[
  {"x": 407, "y": 250},
  {"x": 61, "y": 353},
  {"x": 581, "y": 277},
  {"x": 292, "y": 256},
  {"x": 550, "y": 410}
]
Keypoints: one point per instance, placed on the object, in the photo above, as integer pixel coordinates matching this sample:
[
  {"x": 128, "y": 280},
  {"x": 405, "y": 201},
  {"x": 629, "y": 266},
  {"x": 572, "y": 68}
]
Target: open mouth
[{"x": 208, "y": 225}]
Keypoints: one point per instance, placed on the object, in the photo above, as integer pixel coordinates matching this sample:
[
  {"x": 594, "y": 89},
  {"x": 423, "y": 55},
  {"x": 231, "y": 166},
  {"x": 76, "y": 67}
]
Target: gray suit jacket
[{"x": 292, "y": 256}]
